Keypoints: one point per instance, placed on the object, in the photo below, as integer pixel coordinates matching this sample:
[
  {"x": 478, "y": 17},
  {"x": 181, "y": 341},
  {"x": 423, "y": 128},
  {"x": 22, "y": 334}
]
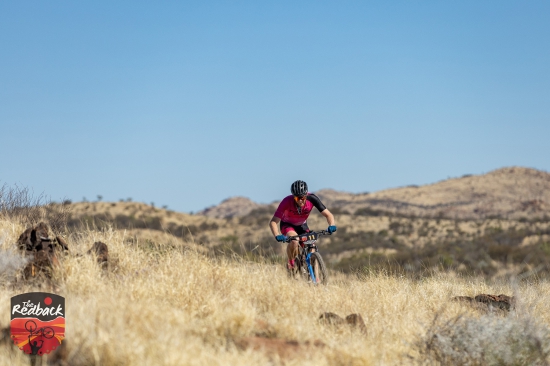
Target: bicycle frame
[{"x": 31, "y": 327}]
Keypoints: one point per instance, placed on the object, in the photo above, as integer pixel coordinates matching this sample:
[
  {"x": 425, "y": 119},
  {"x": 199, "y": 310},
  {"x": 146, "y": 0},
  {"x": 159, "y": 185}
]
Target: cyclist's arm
[
  {"x": 274, "y": 225},
  {"x": 329, "y": 216},
  {"x": 322, "y": 208}
]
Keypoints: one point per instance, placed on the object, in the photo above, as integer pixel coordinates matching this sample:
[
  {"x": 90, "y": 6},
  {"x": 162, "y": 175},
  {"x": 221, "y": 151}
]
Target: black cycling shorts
[{"x": 301, "y": 229}]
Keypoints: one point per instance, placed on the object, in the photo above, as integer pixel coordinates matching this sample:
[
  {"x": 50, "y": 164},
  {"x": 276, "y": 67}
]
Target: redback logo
[{"x": 37, "y": 322}]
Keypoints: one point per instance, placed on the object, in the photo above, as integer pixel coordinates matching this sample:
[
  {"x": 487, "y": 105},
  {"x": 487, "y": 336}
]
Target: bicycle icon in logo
[{"x": 31, "y": 327}]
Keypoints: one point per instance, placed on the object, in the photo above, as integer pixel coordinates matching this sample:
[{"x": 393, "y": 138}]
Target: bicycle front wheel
[
  {"x": 319, "y": 268},
  {"x": 48, "y": 332}
]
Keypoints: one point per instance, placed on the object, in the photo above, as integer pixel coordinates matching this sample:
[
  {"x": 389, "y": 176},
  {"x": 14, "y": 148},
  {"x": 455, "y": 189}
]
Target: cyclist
[
  {"x": 34, "y": 346},
  {"x": 292, "y": 214}
]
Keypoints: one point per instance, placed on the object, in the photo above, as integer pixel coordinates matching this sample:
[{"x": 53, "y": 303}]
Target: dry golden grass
[{"x": 168, "y": 304}]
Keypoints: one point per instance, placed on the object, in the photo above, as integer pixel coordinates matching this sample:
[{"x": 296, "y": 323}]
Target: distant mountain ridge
[
  {"x": 509, "y": 193},
  {"x": 231, "y": 207}
]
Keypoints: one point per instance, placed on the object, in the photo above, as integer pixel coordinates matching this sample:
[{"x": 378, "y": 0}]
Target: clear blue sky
[{"x": 188, "y": 103}]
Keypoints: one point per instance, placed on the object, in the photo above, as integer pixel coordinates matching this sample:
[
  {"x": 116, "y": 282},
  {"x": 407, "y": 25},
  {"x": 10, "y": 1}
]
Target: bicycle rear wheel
[
  {"x": 319, "y": 268},
  {"x": 30, "y": 326}
]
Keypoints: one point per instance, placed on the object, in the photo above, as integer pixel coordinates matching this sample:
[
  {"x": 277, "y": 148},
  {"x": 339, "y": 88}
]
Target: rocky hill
[{"x": 507, "y": 193}]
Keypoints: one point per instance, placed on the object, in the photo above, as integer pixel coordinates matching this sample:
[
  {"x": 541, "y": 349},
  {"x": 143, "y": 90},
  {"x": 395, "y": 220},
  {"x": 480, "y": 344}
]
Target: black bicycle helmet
[{"x": 299, "y": 188}]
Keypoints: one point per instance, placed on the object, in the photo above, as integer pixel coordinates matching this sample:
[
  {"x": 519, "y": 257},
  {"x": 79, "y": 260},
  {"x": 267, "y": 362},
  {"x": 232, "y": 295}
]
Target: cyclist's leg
[{"x": 292, "y": 249}]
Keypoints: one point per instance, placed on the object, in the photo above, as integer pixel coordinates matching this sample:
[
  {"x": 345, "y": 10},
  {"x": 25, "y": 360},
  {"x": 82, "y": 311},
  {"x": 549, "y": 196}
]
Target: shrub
[
  {"x": 20, "y": 204},
  {"x": 339, "y": 211},
  {"x": 346, "y": 240},
  {"x": 258, "y": 217},
  {"x": 401, "y": 228},
  {"x": 366, "y": 211},
  {"x": 488, "y": 340}
]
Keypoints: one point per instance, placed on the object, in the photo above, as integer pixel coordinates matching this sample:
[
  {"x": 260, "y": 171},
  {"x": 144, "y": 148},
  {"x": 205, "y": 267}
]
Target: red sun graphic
[{"x": 48, "y": 301}]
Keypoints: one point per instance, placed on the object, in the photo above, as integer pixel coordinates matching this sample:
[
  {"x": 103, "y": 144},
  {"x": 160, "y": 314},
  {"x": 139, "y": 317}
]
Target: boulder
[
  {"x": 331, "y": 318},
  {"x": 501, "y": 301},
  {"x": 41, "y": 262},
  {"x": 41, "y": 250},
  {"x": 100, "y": 251},
  {"x": 355, "y": 321}
]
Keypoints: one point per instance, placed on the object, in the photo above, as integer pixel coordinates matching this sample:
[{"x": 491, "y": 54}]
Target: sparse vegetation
[
  {"x": 490, "y": 339},
  {"x": 411, "y": 246},
  {"x": 497, "y": 252},
  {"x": 21, "y": 205},
  {"x": 194, "y": 288}
]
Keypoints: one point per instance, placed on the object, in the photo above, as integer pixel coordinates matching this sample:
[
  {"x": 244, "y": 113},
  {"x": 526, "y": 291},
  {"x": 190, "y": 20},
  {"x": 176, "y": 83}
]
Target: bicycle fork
[{"x": 310, "y": 269}]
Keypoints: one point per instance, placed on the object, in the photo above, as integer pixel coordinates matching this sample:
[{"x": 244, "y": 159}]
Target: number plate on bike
[{"x": 309, "y": 238}]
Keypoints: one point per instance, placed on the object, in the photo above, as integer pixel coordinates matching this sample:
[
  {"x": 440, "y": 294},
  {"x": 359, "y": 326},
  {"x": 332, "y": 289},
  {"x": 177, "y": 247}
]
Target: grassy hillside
[
  {"x": 369, "y": 241},
  {"x": 192, "y": 289},
  {"x": 164, "y": 302}
]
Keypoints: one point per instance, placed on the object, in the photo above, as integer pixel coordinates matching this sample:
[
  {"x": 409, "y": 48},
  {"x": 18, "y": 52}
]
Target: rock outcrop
[
  {"x": 41, "y": 250},
  {"x": 502, "y": 302},
  {"x": 355, "y": 321}
]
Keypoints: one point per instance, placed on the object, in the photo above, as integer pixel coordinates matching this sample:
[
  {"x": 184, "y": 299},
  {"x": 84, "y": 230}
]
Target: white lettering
[
  {"x": 37, "y": 310},
  {"x": 59, "y": 310},
  {"x": 16, "y": 309}
]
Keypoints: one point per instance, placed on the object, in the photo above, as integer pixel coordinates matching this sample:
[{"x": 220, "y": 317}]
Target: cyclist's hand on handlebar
[
  {"x": 281, "y": 238},
  {"x": 331, "y": 229}
]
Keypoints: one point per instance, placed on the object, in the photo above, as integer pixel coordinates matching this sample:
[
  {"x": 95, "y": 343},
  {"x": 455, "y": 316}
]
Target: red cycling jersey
[{"x": 289, "y": 212}]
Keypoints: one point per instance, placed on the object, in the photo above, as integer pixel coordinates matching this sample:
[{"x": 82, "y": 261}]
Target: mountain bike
[
  {"x": 308, "y": 262},
  {"x": 47, "y": 332}
]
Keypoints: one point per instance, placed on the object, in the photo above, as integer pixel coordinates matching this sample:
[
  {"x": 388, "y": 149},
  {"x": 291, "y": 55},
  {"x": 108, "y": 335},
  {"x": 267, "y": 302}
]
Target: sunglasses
[{"x": 299, "y": 198}]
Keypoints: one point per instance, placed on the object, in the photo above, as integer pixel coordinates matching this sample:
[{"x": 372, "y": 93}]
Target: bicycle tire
[
  {"x": 30, "y": 326},
  {"x": 48, "y": 332},
  {"x": 301, "y": 266},
  {"x": 319, "y": 268}
]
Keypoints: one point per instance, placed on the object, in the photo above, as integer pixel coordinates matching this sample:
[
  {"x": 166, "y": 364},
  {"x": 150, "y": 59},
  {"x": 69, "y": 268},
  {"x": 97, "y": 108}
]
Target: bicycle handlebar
[{"x": 322, "y": 232}]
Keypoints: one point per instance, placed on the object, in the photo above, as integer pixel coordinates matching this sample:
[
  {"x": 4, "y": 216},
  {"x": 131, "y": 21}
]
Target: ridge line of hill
[{"x": 510, "y": 192}]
